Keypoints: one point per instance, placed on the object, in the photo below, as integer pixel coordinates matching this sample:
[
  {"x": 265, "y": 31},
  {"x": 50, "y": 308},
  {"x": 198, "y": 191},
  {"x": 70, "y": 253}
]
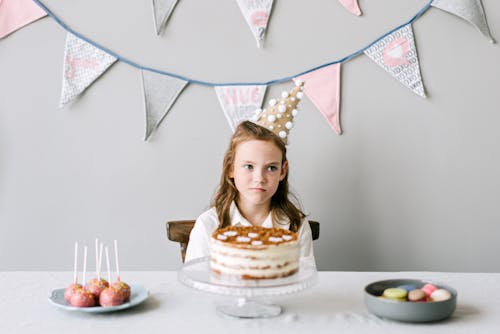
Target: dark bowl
[{"x": 408, "y": 311}]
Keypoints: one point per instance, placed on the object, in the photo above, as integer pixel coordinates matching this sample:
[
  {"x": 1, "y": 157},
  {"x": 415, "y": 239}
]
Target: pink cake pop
[
  {"x": 121, "y": 287},
  {"x": 81, "y": 297},
  {"x": 96, "y": 285},
  {"x": 70, "y": 290},
  {"x": 109, "y": 296}
]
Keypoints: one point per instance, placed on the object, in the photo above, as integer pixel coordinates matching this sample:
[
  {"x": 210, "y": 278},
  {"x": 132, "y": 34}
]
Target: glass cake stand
[{"x": 196, "y": 274}]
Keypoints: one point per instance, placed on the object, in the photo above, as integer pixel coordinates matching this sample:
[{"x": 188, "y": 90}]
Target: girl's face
[{"x": 257, "y": 171}]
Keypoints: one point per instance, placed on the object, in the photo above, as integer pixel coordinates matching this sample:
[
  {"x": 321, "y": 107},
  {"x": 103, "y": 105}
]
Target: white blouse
[{"x": 208, "y": 222}]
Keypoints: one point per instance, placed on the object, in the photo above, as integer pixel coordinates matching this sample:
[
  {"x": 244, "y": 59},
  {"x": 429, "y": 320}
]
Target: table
[{"x": 333, "y": 305}]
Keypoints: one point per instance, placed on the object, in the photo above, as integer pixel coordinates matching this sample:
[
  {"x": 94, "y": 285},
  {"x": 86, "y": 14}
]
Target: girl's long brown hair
[{"x": 226, "y": 193}]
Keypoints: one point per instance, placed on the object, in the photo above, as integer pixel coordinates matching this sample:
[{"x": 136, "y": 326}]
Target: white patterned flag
[
  {"x": 83, "y": 64},
  {"x": 397, "y": 54},
  {"x": 322, "y": 87},
  {"x": 352, "y": 6},
  {"x": 160, "y": 93},
  {"x": 162, "y": 10},
  {"x": 257, "y": 13},
  {"x": 469, "y": 10},
  {"x": 15, "y": 14},
  {"x": 239, "y": 103}
]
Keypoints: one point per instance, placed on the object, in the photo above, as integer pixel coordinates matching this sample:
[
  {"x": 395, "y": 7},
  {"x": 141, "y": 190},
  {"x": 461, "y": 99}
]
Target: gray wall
[{"x": 412, "y": 184}]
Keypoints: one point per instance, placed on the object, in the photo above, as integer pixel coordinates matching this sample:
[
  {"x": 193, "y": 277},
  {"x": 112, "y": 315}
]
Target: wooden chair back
[{"x": 179, "y": 230}]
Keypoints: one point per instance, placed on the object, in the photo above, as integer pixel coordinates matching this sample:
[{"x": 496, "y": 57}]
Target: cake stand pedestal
[{"x": 196, "y": 274}]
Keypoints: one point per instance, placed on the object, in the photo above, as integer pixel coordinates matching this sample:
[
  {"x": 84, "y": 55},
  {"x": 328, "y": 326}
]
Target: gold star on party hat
[{"x": 278, "y": 116}]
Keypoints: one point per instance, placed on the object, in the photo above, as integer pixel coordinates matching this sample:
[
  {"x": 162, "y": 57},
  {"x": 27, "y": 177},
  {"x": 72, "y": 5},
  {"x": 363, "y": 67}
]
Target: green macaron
[{"x": 395, "y": 294}]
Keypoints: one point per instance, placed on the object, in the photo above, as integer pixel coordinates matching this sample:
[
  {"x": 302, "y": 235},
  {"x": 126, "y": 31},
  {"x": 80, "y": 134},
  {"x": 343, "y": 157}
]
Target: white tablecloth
[{"x": 334, "y": 305}]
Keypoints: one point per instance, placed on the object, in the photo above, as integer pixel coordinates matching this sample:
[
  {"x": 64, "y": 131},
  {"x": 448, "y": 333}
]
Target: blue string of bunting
[{"x": 213, "y": 84}]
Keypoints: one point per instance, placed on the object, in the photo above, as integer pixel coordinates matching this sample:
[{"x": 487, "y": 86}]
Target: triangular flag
[
  {"x": 162, "y": 10},
  {"x": 322, "y": 87},
  {"x": 15, "y": 14},
  {"x": 469, "y": 10},
  {"x": 83, "y": 64},
  {"x": 240, "y": 103},
  {"x": 352, "y": 6},
  {"x": 160, "y": 93},
  {"x": 257, "y": 13},
  {"x": 396, "y": 53}
]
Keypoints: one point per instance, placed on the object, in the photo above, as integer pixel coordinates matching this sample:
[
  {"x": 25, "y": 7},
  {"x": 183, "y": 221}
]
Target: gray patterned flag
[
  {"x": 162, "y": 10},
  {"x": 160, "y": 93},
  {"x": 257, "y": 13},
  {"x": 397, "y": 54},
  {"x": 83, "y": 64},
  {"x": 239, "y": 103},
  {"x": 469, "y": 10}
]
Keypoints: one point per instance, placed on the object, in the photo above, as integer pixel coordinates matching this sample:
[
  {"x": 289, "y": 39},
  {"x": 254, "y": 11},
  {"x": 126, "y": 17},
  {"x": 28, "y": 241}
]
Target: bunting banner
[
  {"x": 15, "y": 14},
  {"x": 239, "y": 103},
  {"x": 322, "y": 87},
  {"x": 469, "y": 10},
  {"x": 352, "y": 6},
  {"x": 396, "y": 53},
  {"x": 83, "y": 64},
  {"x": 160, "y": 93},
  {"x": 161, "y": 11},
  {"x": 257, "y": 13}
]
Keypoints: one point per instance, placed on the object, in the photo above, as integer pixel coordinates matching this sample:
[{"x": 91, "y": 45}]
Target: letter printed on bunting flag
[
  {"x": 83, "y": 64},
  {"x": 162, "y": 10},
  {"x": 322, "y": 87},
  {"x": 160, "y": 93},
  {"x": 352, "y": 6},
  {"x": 15, "y": 14},
  {"x": 469, "y": 10},
  {"x": 240, "y": 103},
  {"x": 257, "y": 13},
  {"x": 397, "y": 54}
]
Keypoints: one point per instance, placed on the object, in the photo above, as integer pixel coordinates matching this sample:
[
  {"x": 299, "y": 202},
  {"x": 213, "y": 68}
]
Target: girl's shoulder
[{"x": 208, "y": 217}]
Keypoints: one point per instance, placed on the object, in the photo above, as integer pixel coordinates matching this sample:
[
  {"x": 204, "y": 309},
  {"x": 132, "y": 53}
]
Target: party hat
[{"x": 278, "y": 116}]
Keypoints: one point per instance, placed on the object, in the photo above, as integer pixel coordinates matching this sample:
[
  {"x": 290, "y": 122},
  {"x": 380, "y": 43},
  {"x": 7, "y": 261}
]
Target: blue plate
[{"x": 137, "y": 295}]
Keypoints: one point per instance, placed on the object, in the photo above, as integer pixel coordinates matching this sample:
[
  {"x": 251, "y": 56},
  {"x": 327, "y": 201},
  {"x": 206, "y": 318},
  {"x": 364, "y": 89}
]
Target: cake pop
[
  {"x": 81, "y": 297},
  {"x": 121, "y": 287},
  {"x": 110, "y": 296},
  {"x": 96, "y": 285},
  {"x": 70, "y": 290}
]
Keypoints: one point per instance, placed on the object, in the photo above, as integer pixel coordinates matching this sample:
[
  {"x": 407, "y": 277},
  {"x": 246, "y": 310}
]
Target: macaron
[
  {"x": 408, "y": 287},
  {"x": 395, "y": 294},
  {"x": 417, "y": 295},
  {"x": 440, "y": 295},
  {"x": 428, "y": 289}
]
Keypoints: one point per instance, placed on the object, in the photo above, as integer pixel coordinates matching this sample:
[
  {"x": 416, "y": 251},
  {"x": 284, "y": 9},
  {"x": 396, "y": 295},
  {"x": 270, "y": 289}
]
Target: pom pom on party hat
[{"x": 278, "y": 116}]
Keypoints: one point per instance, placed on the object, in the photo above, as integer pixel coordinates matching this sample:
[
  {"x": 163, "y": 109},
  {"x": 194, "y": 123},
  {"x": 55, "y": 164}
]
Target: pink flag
[
  {"x": 15, "y": 14},
  {"x": 322, "y": 87},
  {"x": 352, "y": 6}
]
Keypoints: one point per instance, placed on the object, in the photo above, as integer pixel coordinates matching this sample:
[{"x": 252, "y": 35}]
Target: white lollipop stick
[
  {"x": 107, "y": 264},
  {"x": 116, "y": 262},
  {"x": 84, "y": 264},
  {"x": 75, "y": 272},
  {"x": 100, "y": 263},
  {"x": 96, "y": 258}
]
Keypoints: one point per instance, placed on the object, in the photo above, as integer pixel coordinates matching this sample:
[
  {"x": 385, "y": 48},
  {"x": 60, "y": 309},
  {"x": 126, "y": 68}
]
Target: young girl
[{"x": 253, "y": 190}]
